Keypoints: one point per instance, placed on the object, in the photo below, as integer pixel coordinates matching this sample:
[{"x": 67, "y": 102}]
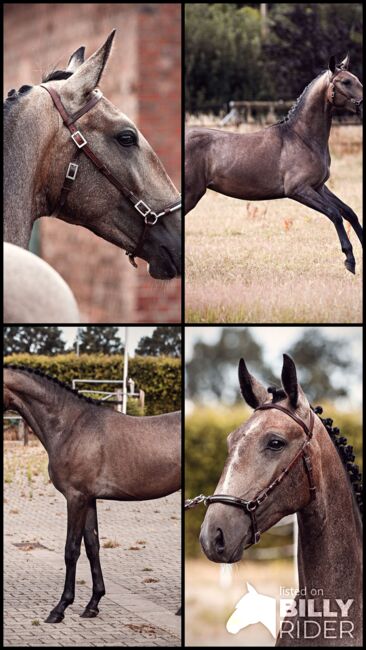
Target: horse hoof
[
  {"x": 350, "y": 266},
  {"x": 54, "y": 617},
  {"x": 89, "y": 613}
]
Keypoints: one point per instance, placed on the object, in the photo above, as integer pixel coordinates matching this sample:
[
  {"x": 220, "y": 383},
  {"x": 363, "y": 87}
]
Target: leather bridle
[
  {"x": 331, "y": 97},
  {"x": 150, "y": 217},
  {"x": 250, "y": 507}
]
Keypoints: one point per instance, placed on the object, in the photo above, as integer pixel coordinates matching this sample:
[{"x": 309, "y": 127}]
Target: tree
[
  {"x": 318, "y": 360},
  {"x": 100, "y": 339},
  {"x": 165, "y": 341},
  {"x": 40, "y": 339},
  {"x": 212, "y": 371}
]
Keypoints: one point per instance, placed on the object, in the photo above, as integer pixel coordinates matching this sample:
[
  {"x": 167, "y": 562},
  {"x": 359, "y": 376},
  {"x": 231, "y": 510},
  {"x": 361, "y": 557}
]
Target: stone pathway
[{"x": 141, "y": 565}]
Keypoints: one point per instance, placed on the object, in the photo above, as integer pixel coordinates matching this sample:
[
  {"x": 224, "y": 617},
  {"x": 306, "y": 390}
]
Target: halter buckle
[
  {"x": 262, "y": 498},
  {"x": 142, "y": 208},
  {"x": 72, "y": 170},
  {"x": 81, "y": 142}
]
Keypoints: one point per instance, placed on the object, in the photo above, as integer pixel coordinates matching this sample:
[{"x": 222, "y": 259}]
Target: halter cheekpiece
[{"x": 149, "y": 216}]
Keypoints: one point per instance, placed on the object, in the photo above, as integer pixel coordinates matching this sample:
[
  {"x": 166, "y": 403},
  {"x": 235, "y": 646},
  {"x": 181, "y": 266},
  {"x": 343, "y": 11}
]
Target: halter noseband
[
  {"x": 150, "y": 217},
  {"x": 249, "y": 507}
]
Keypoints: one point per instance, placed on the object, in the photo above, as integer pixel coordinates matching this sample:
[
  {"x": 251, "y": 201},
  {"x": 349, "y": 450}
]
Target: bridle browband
[
  {"x": 249, "y": 507},
  {"x": 150, "y": 217}
]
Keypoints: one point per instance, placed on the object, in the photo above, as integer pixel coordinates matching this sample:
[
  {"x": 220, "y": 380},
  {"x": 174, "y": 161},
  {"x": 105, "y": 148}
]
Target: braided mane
[
  {"x": 344, "y": 450},
  {"x": 61, "y": 384}
]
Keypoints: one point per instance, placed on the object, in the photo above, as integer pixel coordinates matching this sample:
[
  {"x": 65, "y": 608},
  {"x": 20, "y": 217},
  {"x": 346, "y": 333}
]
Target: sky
[
  {"x": 277, "y": 340},
  {"x": 134, "y": 335}
]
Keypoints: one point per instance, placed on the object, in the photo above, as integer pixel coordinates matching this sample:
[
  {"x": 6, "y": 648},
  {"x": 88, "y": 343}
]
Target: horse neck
[
  {"x": 43, "y": 408},
  {"x": 313, "y": 120},
  {"x": 330, "y": 533},
  {"x": 24, "y": 197}
]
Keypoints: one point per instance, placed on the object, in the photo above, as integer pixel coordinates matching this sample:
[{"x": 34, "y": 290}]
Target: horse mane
[
  {"x": 15, "y": 95},
  {"x": 345, "y": 451},
  {"x": 56, "y": 75},
  {"x": 295, "y": 108},
  {"x": 61, "y": 384}
]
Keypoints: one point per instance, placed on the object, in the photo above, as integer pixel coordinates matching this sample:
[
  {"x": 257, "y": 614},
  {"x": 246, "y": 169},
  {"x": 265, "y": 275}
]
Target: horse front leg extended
[
  {"x": 313, "y": 199},
  {"x": 77, "y": 507},
  {"x": 91, "y": 541},
  {"x": 346, "y": 211}
]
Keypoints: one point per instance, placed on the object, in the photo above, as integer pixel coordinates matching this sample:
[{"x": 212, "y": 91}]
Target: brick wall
[{"x": 143, "y": 80}]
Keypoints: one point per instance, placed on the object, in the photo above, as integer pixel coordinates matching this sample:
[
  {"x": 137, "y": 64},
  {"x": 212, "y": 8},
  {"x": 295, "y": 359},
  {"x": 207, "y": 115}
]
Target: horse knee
[{"x": 72, "y": 553}]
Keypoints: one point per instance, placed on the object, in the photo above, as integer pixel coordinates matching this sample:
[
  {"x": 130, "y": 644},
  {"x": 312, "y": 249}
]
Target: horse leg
[
  {"x": 308, "y": 196},
  {"x": 91, "y": 540},
  {"x": 346, "y": 211},
  {"x": 194, "y": 187},
  {"x": 77, "y": 507}
]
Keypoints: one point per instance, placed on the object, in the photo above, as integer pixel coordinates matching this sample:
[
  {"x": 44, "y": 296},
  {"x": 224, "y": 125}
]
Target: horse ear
[
  {"x": 76, "y": 59},
  {"x": 332, "y": 64},
  {"x": 344, "y": 65},
  {"x": 289, "y": 380},
  {"x": 88, "y": 74},
  {"x": 252, "y": 390}
]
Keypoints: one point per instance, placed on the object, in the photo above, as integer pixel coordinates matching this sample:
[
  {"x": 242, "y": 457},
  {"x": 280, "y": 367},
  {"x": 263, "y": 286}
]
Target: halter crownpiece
[
  {"x": 150, "y": 217},
  {"x": 249, "y": 507}
]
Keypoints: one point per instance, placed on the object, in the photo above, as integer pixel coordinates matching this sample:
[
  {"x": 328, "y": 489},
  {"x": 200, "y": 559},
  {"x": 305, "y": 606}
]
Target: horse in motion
[
  {"x": 94, "y": 452},
  {"x": 69, "y": 153},
  {"x": 286, "y": 459},
  {"x": 288, "y": 159}
]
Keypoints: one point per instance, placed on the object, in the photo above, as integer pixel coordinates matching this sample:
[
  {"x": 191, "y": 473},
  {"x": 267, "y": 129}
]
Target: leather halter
[
  {"x": 331, "y": 97},
  {"x": 150, "y": 217},
  {"x": 249, "y": 507}
]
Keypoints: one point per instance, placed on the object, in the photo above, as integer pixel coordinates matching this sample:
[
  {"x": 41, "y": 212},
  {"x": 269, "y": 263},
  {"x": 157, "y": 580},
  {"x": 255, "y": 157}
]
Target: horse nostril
[{"x": 219, "y": 542}]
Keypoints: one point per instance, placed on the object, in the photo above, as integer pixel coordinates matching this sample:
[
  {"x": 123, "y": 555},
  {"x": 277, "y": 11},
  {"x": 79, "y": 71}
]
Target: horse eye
[
  {"x": 275, "y": 444},
  {"x": 346, "y": 82},
  {"x": 127, "y": 138}
]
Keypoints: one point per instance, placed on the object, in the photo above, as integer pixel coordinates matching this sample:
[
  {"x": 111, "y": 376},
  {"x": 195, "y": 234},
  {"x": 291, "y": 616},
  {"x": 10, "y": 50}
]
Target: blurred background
[
  {"x": 264, "y": 51},
  {"x": 143, "y": 79},
  {"x": 329, "y": 364}
]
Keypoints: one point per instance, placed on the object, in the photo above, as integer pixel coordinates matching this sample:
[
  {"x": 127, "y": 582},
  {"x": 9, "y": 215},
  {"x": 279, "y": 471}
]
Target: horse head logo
[{"x": 253, "y": 608}]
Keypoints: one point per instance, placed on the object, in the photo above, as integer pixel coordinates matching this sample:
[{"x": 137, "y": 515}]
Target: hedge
[
  {"x": 206, "y": 430},
  {"x": 159, "y": 377}
]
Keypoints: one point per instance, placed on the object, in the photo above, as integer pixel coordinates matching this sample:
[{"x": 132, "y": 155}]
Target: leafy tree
[
  {"x": 302, "y": 37},
  {"x": 165, "y": 341},
  {"x": 230, "y": 56},
  {"x": 212, "y": 371},
  {"x": 100, "y": 339},
  {"x": 40, "y": 339},
  {"x": 317, "y": 358}
]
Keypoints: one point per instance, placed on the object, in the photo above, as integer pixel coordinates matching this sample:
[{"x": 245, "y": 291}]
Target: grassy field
[
  {"x": 208, "y": 604},
  {"x": 276, "y": 261}
]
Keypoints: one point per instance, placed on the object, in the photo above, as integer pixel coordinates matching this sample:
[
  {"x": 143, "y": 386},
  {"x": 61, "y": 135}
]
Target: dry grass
[{"x": 275, "y": 261}]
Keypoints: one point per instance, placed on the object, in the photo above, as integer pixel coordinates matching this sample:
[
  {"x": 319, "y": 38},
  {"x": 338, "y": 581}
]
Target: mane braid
[
  {"x": 299, "y": 102},
  {"x": 346, "y": 455},
  {"x": 56, "y": 75},
  {"x": 40, "y": 373}
]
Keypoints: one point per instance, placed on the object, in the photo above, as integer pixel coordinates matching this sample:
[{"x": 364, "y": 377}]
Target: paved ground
[{"x": 142, "y": 572}]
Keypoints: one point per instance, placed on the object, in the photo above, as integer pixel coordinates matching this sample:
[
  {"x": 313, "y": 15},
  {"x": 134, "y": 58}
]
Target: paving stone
[{"x": 33, "y": 579}]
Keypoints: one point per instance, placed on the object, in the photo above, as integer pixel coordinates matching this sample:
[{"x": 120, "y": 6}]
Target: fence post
[
  {"x": 119, "y": 398},
  {"x": 142, "y": 399}
]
